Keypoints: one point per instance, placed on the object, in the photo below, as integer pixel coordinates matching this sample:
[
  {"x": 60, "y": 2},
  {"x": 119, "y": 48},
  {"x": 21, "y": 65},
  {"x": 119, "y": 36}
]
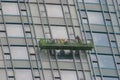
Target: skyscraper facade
[
  {"x": 100, "y": 22},
  {"x": 24, "y": 22}
]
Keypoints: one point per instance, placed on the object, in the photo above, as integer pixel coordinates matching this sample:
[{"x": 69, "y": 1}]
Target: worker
[
  {"x": 60, "y": 41},
  {"x": 78, "y": 38}
]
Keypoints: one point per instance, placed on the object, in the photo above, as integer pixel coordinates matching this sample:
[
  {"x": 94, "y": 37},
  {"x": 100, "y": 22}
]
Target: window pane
[
  {"x": 54, "y": 9},
  {"x": 118, "y": 39},
  {"x": 105, "y": 78},
  {"x": 14, "y": 31},
  {"x": 48, "y": 75},
  {"x": 23, "y": 75},
  {"x": 106, "y": 61},
  {"x": 114, "y": 19},
  {"x": 95, "y": 18},
  {"x": 2, "y": 75},
  {"x": 19, "y": 53},
  {"x": 38, "y": 31},
  {"x": 109, "y": 1},
  {"x": 87, "y": 75},
  {"x": 59, "y": 32},
  {"x": 100, "y": 39},
  {"x": 73, "y": 12},
  {"x": 34, "y": 9},
  {"x": 103, "y": 1},
  {"x": 68, "y": 75},
  {"x": 10, "y": 8},
  {"x": 91, "y": 1}
]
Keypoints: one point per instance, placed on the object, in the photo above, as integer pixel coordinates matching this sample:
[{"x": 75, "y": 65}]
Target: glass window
[
  {"x": 14, "y": 31},
  {"x": 68, "y": 75},
  {"x": 109, "y": 1},
  {"x": 87, "y": 75},
  {"x": 106, "y": 78},
  {"x": 85, "y": 20},
  {"x": 117, "y": 59},
  {"x": 10, "y": 8},
  {"x": 19, "y": 53},
  {"x": 88, "y": 35},
  {"x": 114, "y": 19},
  {"x": 23, "y": 74},
  {"x": 42, "y": 10},
  {"x": 95, "y": 64},
  {"x": 2, "y": 27},
  {"x": 100, "y": 39},
  {"x": 56, "y": 9},
  {"x": 2, "y": 34},
  {"x": 93, "y": 57},
  {"x": 34, "y": 10},
  {"x": 118, "y": 1},
  {"x": 73, "y": 12},
  {"x": 81, "y": 75},
  {"x": 106, "y": 61},
  {"x": 38, "y": 31},
  {"x": 103, "y": 1},
  {"x": 95, "y": 18},
  {"x": 48, "y": 75},
  {"x": 118, "y": 39},
  {"x": 113, "y": 44},
  {"x": 98, "y": 78},
  {"x": 66, "y": 11},
  {"x": 59, "y": 32},
  {"x": 3, "y": 75},
  {"x": 10, "y": 72},
  {"x": 118, "y": 65},
  {"x": 89, "y": 1}
]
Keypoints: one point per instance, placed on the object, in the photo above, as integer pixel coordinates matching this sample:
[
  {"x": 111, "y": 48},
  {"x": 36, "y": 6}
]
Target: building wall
[
  {"x": 23, "y": 23},
  {"x": 100, "y": 22}
]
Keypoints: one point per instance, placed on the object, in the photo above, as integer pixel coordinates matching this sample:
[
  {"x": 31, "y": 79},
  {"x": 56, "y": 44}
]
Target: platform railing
[{"x": 71, "y": 44}]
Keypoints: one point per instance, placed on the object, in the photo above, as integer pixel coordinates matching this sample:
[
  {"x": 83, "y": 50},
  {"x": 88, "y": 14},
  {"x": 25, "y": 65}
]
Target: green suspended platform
[{"x": 65, "y": 44}]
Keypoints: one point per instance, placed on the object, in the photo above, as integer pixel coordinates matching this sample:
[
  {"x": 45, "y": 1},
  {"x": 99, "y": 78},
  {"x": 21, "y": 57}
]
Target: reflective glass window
[
  {"x": 48, "y": 75},
  {"x": 23, "y": 74},
  {"x": 56, "y": 9},
  {"x": 95, "y": 18},
  {"x": 10, "y": 8},
  {"x": 89, "y": 1},
  {"x": 114, "y": 19},
  {"x": 59, "y": 32},
  {"x": 19, "y": 53},
  {"x": 68, "y": 75},
  {"x": 14, "y": 31},
  {"x": 3, "y": 75},
  {"x": 106, "y": 61},
  {"x": 118, "y": 39},
  {"x": 106, "y": 78},
  {"x": 73, "y": 12},
  {"x": 100, "y": 39},
  {"x": 38, "y": 31},
  {"x": 103, "y": 1},
  {"x": 109, "y": 1},
  {"x": 34, "y": 10}
]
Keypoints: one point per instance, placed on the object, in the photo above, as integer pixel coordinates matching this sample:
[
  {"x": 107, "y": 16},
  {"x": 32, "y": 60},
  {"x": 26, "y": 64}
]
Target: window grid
[
  {"x": 84, "y": 6},
  {"x": 28, "y": 23},
  {"x": 107, "y": 30},
  {"x": 9, "y": 51},
  {"x": 109, "y": 35}
]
